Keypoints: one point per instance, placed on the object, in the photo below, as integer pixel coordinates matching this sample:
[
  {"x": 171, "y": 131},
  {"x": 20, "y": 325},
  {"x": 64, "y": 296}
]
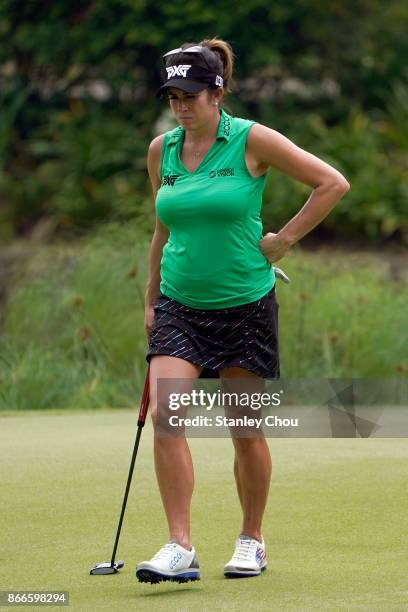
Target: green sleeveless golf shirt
[{"x": 212, "y": 258}]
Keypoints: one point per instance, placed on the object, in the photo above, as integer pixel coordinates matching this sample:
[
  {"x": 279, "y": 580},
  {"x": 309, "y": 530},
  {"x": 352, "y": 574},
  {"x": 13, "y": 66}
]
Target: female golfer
[{"x": 210, "y": 297}]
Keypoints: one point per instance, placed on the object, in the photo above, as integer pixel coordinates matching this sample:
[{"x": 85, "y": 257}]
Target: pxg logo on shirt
[
  {"x": 221, "y": 172},
  {"x": 170, "y": 179}
]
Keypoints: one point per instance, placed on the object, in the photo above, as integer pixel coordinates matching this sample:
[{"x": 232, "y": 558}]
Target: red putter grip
[{"x": 144, "y": 402}]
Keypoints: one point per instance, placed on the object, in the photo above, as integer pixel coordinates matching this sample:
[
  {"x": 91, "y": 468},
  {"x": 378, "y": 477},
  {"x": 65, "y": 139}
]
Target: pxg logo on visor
[{"x": 181, "y": 70}]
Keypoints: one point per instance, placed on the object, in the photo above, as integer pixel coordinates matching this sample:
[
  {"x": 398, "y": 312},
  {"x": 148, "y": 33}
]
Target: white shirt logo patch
[{"x": 180, "y": 70}]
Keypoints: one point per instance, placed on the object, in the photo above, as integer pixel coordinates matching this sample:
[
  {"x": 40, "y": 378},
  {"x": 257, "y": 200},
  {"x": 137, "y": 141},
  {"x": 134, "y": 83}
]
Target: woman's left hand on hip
[{"x": 273, "y": 247}]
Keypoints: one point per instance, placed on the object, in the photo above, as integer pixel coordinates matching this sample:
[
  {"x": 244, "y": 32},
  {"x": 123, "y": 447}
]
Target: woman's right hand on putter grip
[{"x": 148, "y": 320}]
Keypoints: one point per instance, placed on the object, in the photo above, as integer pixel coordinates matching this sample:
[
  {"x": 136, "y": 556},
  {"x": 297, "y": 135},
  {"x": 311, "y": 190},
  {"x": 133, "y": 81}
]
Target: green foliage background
[
  {"x": 77, "y": 82},
  {"x": 72, "y": 334}
]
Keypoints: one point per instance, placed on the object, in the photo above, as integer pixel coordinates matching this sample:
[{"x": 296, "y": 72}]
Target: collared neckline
[
  {"x": 224, "y": 126},
  {"x": 223, "y": 131}
]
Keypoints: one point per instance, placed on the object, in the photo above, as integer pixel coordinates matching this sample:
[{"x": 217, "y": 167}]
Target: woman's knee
[{"x": 160, "y": 414}]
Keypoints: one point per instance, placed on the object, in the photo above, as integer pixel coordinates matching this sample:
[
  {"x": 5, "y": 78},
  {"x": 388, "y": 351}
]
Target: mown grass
[
  {"x": 73, "y": 326},
  {"x": 336, "y": 526}
]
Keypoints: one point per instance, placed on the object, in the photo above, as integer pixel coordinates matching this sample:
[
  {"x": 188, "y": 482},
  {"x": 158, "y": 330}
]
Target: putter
[{"x": 113, "y": 567}]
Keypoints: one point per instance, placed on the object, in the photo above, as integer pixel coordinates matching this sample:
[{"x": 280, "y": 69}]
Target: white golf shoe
[
  {"x": 171, "y": 562},
  {"x": 249, "y": 558}
]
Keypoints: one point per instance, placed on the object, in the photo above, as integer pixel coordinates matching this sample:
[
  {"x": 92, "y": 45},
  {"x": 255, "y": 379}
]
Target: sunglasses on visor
[{"x": 195, "y": 49}]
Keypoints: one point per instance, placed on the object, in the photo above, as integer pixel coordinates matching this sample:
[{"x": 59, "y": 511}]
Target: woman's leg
[
  {"x": 173, "y": 464},
  {"x": 252, "y": 469}
]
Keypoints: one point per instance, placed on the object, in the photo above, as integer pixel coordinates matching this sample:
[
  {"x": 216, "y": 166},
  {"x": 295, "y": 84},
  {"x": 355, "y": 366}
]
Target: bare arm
[
  {"x": 268, "y": 148},
  {"x": 161, "y": 233}
]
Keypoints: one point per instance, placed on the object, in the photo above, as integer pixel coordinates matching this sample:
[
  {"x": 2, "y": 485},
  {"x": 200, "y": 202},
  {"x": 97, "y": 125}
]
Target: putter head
[{"x": 107, "y": 568}]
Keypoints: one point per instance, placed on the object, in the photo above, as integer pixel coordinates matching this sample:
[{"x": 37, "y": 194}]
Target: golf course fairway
[{"x": 336, "y": 524}]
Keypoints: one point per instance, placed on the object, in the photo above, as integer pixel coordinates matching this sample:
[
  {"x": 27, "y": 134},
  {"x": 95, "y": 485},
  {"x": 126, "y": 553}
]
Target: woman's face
[{"x": 191, "y": 110}]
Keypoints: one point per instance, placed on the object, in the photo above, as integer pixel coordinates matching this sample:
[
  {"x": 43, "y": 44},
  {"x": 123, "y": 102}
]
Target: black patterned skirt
[{"x": 245, "y": 336}]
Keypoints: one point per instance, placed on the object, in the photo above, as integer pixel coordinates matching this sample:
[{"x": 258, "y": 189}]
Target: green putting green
[{"x": 336, "y": 525}]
